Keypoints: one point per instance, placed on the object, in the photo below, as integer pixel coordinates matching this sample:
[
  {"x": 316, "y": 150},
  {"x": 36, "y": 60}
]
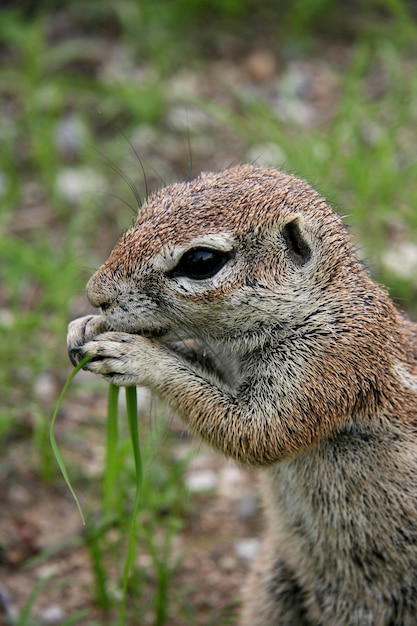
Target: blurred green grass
[{"x": 67, "y": 117}]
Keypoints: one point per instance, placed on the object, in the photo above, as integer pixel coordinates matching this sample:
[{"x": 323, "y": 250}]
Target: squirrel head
[{"x": 232, "y": 255}]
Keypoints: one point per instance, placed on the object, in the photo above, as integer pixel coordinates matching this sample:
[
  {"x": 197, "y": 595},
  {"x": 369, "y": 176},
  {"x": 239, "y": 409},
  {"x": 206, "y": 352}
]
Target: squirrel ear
[{"x": 297, "y": 245}]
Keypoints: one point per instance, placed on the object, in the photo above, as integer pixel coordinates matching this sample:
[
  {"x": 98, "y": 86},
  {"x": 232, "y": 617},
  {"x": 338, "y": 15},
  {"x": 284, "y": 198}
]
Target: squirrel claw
[{"x": 75, "y": 355}]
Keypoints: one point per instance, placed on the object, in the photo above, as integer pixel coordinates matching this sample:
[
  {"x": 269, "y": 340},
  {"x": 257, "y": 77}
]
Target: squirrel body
[{"x": 238, "y": 298}]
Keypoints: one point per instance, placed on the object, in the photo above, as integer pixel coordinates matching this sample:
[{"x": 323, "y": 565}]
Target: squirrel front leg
[{"x": 232, "y": 420}]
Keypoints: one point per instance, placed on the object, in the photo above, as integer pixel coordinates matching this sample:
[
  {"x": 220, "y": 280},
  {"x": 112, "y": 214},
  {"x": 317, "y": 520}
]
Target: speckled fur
[{"x": 305, "y": 370}]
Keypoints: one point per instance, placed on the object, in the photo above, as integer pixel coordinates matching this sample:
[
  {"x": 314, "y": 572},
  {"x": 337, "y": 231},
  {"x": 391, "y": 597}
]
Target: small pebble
[
  {"x": 247, "y": 507},
  {"x": 72, "y": 182},
  {"x": 45, "y": 387},
  {"x": 267, "y": 154},
  {"x": 402, "y": 260},
  {"x": 70, "y": 135},
  {"x": 52, "y": 614},
  {"x": 232, "y": 482},
  {"x": 261, "y": 66},
  {"x": 202, "y": 480},
  {"x": 247, "y": 549},
  {"x": 6, "y": 607}
]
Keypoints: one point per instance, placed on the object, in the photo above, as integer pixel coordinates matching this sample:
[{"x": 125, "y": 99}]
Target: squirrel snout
[{"x": 100, "y": 291}]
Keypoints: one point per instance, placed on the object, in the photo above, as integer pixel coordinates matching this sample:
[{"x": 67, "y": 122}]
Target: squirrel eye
[{"x": 200, "y": 263}]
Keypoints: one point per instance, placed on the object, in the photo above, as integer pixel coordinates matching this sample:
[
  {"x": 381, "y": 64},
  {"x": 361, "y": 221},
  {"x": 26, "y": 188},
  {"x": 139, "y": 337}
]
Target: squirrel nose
[{"x": 100, "y": 291}]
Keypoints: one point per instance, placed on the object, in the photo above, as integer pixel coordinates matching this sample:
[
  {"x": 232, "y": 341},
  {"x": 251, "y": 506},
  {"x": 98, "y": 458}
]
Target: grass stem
[
  {"x": 52, "y": 439},
  {"x": 132, "y": 416}
]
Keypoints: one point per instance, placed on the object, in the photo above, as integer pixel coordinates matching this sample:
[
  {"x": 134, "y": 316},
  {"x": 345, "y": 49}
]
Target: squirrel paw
[{"x": 122, "y": 358}]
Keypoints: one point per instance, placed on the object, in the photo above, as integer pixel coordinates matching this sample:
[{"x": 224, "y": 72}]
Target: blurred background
[{"x": 102, "y": 102}]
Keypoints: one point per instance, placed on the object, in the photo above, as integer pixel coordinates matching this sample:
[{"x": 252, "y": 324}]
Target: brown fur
[{"x": 288, "y": 359}]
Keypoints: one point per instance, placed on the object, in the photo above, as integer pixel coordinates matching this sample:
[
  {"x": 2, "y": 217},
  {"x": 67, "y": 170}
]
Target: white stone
[
  {"x": 53, "y": 614},
  {"x": 201, "y": 480},
  {"x": 72, "y": 182},
  {"x": 402, "y": 260},
  {"x": 247, "y": 549}
]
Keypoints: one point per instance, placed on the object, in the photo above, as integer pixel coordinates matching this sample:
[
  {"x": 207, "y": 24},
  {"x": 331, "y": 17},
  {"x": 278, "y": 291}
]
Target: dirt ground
[{"x": 41, "y": 540}]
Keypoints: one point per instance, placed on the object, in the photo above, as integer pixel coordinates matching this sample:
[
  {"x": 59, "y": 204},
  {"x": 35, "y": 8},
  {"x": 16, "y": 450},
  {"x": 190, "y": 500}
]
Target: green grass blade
[
  {"x": 75, "y": 619},
  {"x": 112, "y": 442},
  {"x": 111, "y": 465},
  {"x": 132, "y": 416},
  {"x": 52, "y": 439},
  {"x": 24, "y": 618}
]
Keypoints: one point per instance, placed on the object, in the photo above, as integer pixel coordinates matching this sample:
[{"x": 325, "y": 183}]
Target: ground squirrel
[{"x": 238, "y": 298}]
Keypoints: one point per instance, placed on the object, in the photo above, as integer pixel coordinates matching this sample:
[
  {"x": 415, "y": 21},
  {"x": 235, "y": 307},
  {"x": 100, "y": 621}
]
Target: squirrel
[{"x": 239, "y": 299}]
